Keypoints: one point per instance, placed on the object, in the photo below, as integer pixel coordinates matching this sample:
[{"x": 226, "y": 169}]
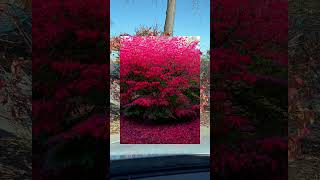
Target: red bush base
[{"x": 132, "y": 132}]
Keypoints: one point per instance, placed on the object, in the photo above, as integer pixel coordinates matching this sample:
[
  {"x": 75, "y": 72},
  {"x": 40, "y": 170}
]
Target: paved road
[{"x": 134, "y": 150}]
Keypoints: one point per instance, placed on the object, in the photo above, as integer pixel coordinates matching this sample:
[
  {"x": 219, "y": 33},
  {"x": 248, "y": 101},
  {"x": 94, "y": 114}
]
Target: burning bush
[{"x": 159, "y": 78}]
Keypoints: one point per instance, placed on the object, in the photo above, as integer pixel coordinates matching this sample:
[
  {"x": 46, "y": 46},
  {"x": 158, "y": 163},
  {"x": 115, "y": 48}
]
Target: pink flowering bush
[{"x": 159, "y": 78}]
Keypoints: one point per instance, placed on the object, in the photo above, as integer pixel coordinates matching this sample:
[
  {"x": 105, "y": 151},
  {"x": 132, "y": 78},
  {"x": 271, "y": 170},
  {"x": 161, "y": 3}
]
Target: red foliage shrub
[
  {"x": 69, "y": 78},
  {"x": 159, "y": 77},
  {"x": 250, "y": 41}
]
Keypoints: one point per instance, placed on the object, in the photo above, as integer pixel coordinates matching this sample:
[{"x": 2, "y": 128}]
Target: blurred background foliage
[
  {"x": 15, "y": 89},
  {"x": 304, "y": 88}
]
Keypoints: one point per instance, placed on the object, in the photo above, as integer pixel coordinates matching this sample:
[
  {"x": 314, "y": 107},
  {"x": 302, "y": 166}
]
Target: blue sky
[{"x": 192, "y": 17}]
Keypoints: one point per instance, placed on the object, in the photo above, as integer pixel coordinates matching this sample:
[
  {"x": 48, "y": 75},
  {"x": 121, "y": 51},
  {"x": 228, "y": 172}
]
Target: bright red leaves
[
  {"x": 159, "y": 72},
  {"x": 159, "y": 82}
]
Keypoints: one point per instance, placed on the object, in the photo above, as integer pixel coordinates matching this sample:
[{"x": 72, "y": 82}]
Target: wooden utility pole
[{"x": 171, "y": 8}]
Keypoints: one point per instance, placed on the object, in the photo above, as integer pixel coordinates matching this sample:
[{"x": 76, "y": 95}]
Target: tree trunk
[{"x": 171, "y": 8}]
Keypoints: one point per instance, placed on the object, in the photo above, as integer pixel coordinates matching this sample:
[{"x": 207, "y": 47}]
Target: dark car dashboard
[{"x": 186, "y": 167}]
